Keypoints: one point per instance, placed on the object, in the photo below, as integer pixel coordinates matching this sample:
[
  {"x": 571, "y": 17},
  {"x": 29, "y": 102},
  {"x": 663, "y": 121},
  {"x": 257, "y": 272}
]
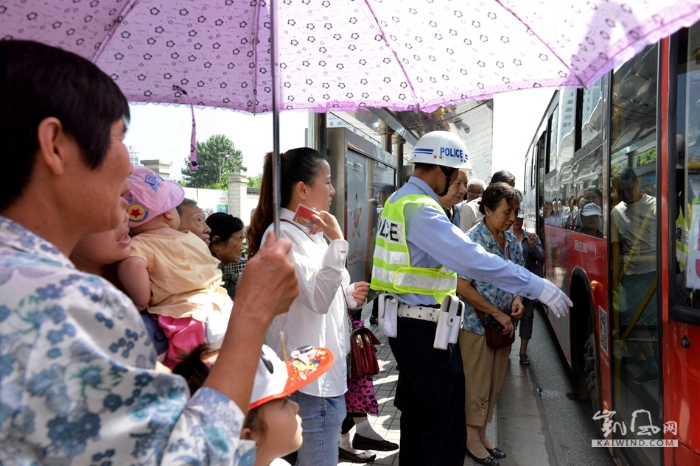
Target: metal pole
[
  {"x": 276, "y": 159},
  {"x": 399, "y": 141},
  {"x": 317, "y": 136},
  {"x": 385, "y": 132}
]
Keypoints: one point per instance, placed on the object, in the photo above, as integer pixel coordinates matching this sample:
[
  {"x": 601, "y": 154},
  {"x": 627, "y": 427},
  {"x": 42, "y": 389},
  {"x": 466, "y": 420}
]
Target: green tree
[
  {"x": 217, "y": 157},
  {"x": 255, "y": 181}
]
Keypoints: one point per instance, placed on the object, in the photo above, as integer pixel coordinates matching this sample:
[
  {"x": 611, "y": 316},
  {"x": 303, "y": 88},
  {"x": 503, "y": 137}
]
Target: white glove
[{"x": 555, "y": 299}]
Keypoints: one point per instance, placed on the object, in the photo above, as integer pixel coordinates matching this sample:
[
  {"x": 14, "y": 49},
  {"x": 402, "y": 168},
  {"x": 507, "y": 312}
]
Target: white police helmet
[{"x": 441, "y": 148}]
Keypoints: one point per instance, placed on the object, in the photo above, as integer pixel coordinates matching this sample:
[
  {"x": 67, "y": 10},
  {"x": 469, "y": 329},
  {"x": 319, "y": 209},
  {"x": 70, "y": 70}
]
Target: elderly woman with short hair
[
  {"x": 227, "y": 240},
  {"x": 485, "y": 367}
]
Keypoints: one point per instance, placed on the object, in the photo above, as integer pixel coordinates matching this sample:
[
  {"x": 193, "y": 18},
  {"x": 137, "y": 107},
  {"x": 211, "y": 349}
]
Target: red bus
[{"x": 612, "y": 186}]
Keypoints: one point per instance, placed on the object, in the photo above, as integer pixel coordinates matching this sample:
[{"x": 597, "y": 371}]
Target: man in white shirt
[
  {"x": 633, "y": 237},
  {"x": 470, "y": 215},
  {"x": 475, "y": 188}
]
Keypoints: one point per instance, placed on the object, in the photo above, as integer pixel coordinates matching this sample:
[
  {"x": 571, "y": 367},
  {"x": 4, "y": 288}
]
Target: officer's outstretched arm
[
  {"x": 555, "y": 299},
  {"x": 431, "y": 231}
]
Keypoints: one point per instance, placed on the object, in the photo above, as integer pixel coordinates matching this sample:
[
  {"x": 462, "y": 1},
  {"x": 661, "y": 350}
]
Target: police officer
[{"x": 417, "y": 250}]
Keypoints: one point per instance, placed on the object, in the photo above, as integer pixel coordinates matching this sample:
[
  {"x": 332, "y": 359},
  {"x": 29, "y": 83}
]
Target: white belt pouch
[
  {"x": 449, "y": 322},
  {"x": 388, "y": 314}
]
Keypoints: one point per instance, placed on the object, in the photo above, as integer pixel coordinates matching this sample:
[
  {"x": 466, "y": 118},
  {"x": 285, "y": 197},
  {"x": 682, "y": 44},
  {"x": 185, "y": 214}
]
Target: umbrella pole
[{"x": 276, "y": 157}]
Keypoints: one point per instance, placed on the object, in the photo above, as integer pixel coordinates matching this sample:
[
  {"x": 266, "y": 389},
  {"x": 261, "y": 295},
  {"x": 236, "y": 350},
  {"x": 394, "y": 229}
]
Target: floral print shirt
[
  {"x": 499, "y": 298},
  {"x": 77, "y": 385}
]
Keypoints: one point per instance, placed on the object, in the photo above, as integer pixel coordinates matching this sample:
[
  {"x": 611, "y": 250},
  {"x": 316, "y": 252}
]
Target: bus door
[
  {"x": 635, "y": 329},
  {"x": 681, "y": 349}
]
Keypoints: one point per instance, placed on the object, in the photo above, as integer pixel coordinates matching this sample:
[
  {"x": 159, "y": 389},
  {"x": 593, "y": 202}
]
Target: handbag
[
  {"x": 363, "y": 356},
  {"x": 493, "y": 330}
]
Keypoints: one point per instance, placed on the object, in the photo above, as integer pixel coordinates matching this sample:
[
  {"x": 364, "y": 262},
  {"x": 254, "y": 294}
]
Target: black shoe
[
  {"x": 363, "y": 443},
  {"x": 373, "y": 320},
  {"x": 496, "y": 453},
  {"x": 646, "y": 378},
  {"x": 362, "y": 457},
  {"x": 488, "y": 461}
]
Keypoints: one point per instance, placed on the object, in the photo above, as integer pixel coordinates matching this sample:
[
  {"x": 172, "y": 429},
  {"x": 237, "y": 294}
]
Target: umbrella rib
[
  {"x": 581, "y": 82},
  {"x": 396, "y": 55},
  {"x": 255, "y": 55},
  {"x": 128, "y": 7}
]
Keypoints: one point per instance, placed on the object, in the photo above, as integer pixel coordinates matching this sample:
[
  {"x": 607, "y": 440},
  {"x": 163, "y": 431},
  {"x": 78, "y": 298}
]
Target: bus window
[
  {"x": 634, "y": 103},
  {"x": 533, "y": 169},
  {"x": 561, "y": 150},
  {"x": 542, "y": 215},
  {"x": 687, "y": 202},
  {"x": 526, "y": 185},
  {"x": 591, "y": 113},
  {"x": 553, "y": 140},
  {"x": 633, "y": 237},
  {"x": 587, "y": 176},
  {"x": 565, "y": 180}
]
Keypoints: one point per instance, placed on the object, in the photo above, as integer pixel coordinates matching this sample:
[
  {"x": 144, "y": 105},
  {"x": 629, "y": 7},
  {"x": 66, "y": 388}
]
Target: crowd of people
[
  {"x": 419, "y": 255},
  {"x": 583, "y": 213},
  {"x": 127, "y": 339}
]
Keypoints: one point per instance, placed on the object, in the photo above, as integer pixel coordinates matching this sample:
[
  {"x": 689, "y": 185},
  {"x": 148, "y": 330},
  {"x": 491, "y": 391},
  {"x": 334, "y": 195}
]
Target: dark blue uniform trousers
[{"x": 430, "y": 395}]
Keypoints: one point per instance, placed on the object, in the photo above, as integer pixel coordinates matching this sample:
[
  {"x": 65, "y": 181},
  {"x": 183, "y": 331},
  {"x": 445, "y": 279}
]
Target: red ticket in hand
[{"x": 305, "y": 216}]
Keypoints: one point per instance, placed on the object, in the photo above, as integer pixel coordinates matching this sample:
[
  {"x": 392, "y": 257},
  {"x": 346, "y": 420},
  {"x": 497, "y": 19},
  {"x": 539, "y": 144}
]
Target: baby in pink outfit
[{"x": 172, "y": 273}]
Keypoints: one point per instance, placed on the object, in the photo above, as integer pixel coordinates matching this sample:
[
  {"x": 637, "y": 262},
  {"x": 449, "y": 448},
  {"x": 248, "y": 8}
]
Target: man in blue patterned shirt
[{"x": 77, "y": 384}]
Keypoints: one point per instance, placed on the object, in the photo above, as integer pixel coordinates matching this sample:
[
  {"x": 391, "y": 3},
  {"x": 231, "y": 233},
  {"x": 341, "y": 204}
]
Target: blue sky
[{"x": 163, "y": 132}]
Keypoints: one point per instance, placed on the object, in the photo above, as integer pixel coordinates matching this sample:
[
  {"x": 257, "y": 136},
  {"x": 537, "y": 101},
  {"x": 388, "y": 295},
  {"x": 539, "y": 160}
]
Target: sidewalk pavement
[
  {"x": 520, "y": 432},
  {"x": 516, "y": 426}
]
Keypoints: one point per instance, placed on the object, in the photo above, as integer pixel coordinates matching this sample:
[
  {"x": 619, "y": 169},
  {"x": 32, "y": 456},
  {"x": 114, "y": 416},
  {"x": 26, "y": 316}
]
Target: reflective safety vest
[{"x": 392, "y": 271}]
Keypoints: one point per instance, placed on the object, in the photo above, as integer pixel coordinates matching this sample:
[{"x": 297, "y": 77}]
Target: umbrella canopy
[{"x": 344, "y": 54}]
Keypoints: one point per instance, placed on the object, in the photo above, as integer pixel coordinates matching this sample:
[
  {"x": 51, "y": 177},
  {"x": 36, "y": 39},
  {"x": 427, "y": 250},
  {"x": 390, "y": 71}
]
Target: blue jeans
[{"x": 321, "y": 419}]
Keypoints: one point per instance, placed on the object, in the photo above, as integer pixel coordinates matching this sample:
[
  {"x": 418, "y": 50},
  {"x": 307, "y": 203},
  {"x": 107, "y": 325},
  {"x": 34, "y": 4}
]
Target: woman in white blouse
[{"x": 318, "y": 316}]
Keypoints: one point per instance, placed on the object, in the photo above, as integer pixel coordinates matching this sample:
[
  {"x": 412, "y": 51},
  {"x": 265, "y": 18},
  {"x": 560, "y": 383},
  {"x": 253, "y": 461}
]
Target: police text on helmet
[{"x": 451, "y": 152}]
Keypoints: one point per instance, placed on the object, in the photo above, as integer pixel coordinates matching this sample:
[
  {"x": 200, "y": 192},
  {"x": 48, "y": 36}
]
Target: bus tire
[
  {"x": 591, "y": 369},
  {"x": 581, "y": 327}
]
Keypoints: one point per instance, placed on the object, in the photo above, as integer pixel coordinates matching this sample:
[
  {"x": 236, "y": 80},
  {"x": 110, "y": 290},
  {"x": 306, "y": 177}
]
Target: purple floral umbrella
[{"x": 345, "y": 54}]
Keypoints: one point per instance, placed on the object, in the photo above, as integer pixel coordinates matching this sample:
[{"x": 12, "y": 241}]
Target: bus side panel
[
  {"x": 682, "y": 384},
  {"x": 591, "y": 255},
  {"x": 555, "y": 250}
]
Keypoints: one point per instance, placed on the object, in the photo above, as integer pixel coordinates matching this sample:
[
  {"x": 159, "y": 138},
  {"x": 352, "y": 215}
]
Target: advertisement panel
[{"x": 368, "y": 183}]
